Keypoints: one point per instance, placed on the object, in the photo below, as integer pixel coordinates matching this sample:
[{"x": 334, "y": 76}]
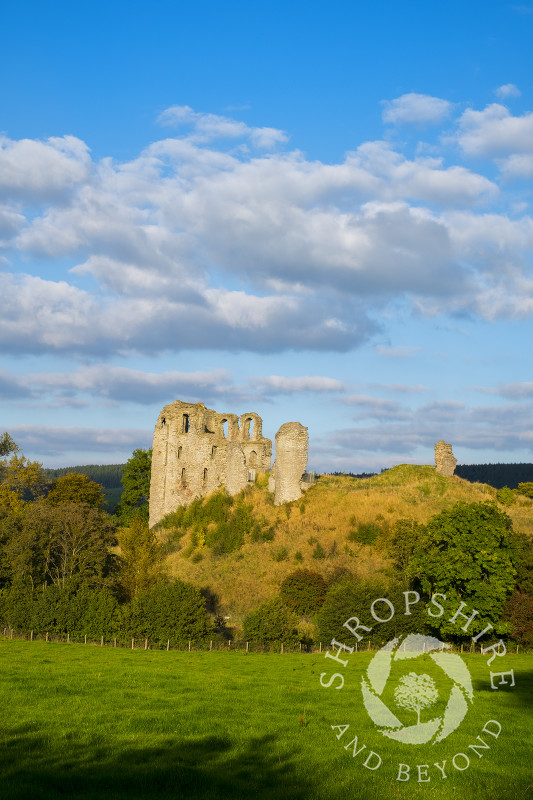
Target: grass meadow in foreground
[{"x": 92, "y": 722}]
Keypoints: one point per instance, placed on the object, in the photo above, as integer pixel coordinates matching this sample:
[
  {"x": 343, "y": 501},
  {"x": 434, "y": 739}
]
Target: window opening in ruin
[
  {"x": 213, "y": 451},
  {"x": 180, "y": 448},
  {"x": 249, "y": 429},
  {"x": 252, "y": 460},
  {"x": 183, "y": 474},
  {"x": 225, "y": 428},
  {"x": 163, "y": 422},
  {"x": 186, "y": 423},
  {"x": 205, "y": 474}
]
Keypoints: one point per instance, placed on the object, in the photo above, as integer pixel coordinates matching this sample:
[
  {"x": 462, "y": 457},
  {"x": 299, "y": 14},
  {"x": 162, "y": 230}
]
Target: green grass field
[{"x": 90, "y": 722}]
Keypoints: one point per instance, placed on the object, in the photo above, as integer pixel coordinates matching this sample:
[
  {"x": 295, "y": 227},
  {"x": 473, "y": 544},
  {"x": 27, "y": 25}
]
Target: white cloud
[
  {"x": 416, "y": 108},
  {"x": 39, "y": 171},
  {"x": 495, "y": 132},
  {"x": 207, "y": 127},
  {"x": 507, "y": 90},
  {"x": 188, "y": 246},
  {"x": 278, "y": 384}
]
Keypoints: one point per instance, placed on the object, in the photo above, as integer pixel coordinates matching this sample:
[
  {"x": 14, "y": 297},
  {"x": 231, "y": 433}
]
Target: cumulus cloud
[
  {"x": 495, "y": 132},
  {"x": 199, "y": 244},
  {"x": 36, "y": 170},
  {"x": 416, "y": 108},
  {"x": 507, "y": 90}
]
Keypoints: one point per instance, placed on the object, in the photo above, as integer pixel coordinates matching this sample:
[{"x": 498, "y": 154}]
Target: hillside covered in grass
[{"x": 243, "y": 548}]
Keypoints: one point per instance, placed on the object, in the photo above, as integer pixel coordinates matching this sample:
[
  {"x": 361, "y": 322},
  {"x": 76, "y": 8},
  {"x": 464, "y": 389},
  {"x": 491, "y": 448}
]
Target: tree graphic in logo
[{"x": 416, "y": 692}]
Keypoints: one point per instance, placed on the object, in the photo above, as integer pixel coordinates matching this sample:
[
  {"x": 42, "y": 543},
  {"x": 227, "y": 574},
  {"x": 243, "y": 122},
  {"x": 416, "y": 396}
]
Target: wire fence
[{"x": 218, "y": 645}]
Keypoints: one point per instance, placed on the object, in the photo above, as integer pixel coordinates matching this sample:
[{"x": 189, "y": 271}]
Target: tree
[
  {"x": 416, "y": 692},
  {"x": 304, "y": 591},
  {"x": 62, "y": 544},
  {"x": 526, "y": 489},
  {"x": 468, "y": 556},
  {"x": 174, "y": 611},
  {"x": 271, "y": 622},
  {"x": 518, "y": 611},
  {"x": 75, "y": 488},
  {"x": 141, "y": 557},
  {"x": 136, "y": 485},
  {"x": 353, "y": 597},
  {"x": 400, "y": 544},
  {"x": 7, "y": 445}
]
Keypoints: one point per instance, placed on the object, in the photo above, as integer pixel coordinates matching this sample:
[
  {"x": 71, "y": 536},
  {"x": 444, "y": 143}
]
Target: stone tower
[
  {"x": 196, "y": 450},
  {"x": 445, "y": 460},
  {"x": 291, "y": 461}
]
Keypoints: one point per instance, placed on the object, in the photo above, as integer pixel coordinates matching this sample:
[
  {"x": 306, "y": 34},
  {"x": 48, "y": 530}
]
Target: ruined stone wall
[
  {"x": 291, "y": 461},
  {"x": 196, "y": 450},
  {"x": 445, "y": 460}
]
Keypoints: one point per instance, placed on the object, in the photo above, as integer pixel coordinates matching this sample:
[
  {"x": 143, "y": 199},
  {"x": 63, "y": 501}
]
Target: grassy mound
[{"x": 337, "y": 524}]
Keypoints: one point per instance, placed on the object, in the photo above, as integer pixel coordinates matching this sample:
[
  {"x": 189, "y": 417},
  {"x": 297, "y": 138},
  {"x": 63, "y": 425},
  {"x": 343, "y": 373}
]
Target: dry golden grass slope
[{"x": 326, "y": 514}]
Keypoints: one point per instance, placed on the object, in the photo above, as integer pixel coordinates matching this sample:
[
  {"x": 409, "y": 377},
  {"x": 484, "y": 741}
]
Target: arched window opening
[
  {"x": 213, "y": 451},
  {"x": 252, "y": 460},
  {"x": 225, "y": 428},
  {"x": 163, "y": 422},
  {"x": 180, "y": 448},
  {"x": 183, "y": 474},
  {"x": 250, "y": 428},
  {"x": 205, "y": 474},
  {"x": 186, "y": 423}
]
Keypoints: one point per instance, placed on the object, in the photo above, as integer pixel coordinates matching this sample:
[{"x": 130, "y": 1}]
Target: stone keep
[
  {"x": 196, "y": 450},
  {"x": 445, "y": 460}
]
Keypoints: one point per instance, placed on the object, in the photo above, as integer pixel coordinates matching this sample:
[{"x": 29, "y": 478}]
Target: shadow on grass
[{"x": 205, "y": 769}]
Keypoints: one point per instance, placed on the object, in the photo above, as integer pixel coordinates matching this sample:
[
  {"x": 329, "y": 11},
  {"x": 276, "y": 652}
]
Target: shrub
[
  {"x": 319, "y": 553},
  {"x": 271, "y": 622},
  {"x": 365, "y": 533},
  {"x": 304, "y": 591},
  {"x": 280, "y": 555},
  {"x": 506, "y": 496},
  {"x": 526, "y": 489}
]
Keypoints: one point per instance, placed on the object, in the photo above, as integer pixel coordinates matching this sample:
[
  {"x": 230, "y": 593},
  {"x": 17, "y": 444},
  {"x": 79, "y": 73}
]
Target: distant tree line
[{"x": 496, "y": 475}]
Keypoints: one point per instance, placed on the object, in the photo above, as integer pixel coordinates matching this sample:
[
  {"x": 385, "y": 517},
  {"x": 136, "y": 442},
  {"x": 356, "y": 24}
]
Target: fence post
[
  {"x": 46, "y": 637},
  {"x": 356, "y": 646},
  {"x": 189, "y": 645},
  {"x": 282, "y": 647},
  {"x": 31, "y": 636},
  {"x": 68, "y": 638},
  {"x": 247, "y": 643},
  {"x": 168, "y": 644},
  {"x": 102, "y": 642},
  {"x": 146, "y": 644},
  {"x": 85, "y": 639},
  {"x": 132, "y": 641},
  {"x": 320, "y": 647},
  {"x": 229, "y": 644},
  {"x": 115, "y": 642},
  {"x": 211, "y": 644}
]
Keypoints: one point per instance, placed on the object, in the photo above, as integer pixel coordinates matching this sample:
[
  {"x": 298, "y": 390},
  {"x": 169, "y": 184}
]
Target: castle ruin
[
  {"x": 445, "y": 461},
  {"x": 197, "y": 450}
]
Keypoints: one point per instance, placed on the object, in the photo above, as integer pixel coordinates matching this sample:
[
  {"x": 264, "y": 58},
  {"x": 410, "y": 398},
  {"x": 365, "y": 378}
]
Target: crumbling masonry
[
  {"x": 445, "y": 460},
  {"x": 196, "y": 450}
]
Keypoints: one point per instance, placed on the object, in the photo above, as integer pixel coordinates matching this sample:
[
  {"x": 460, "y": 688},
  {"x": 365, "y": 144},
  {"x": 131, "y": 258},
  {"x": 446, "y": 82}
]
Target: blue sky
[{"x": 320, "y": 212}]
